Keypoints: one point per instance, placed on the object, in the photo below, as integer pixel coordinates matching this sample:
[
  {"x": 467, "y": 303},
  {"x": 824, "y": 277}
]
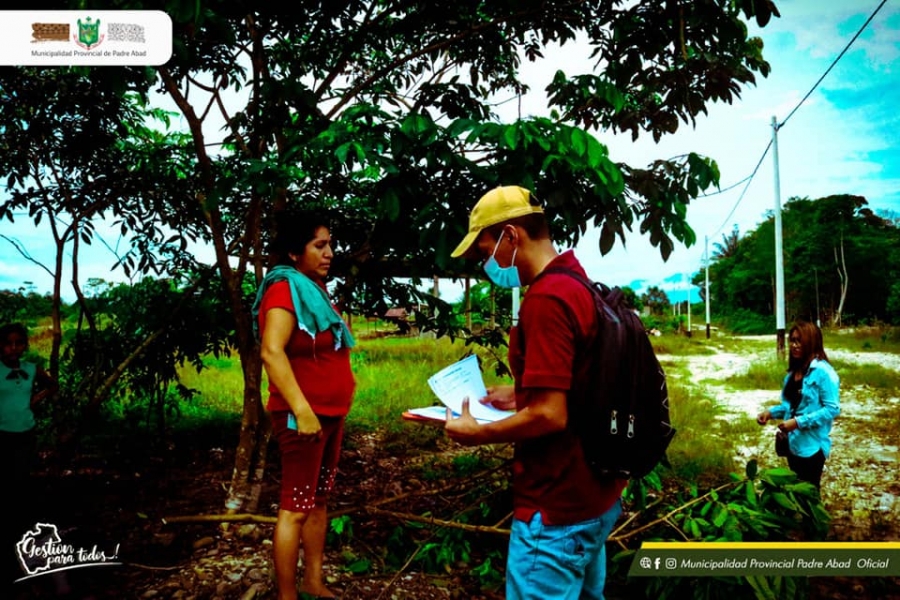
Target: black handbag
[{"x": 782, "y": 448}]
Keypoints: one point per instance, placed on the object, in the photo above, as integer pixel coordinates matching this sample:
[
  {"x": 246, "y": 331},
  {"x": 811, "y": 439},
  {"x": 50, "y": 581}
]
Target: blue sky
[{"x": 843, "y": 139}]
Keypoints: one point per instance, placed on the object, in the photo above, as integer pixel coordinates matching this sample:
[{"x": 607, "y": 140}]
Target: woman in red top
[{"x": 305, "y": 348}]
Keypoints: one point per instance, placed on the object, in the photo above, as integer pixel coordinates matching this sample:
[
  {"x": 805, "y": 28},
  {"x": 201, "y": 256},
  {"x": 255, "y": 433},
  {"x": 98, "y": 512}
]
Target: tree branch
[
  {"x": 21, "y": 250},
  {"x": 615, "y": 537},
  {"x": 443, "y": 44}
]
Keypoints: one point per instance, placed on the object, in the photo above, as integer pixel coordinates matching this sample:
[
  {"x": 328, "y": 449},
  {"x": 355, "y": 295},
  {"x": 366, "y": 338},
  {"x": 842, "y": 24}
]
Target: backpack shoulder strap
[
  {"x": 564, "y": 271},
  {"x": 609, "y": 299}
]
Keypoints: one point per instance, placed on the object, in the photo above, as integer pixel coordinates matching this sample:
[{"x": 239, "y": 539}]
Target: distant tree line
[{"x": 841, "y": 263}]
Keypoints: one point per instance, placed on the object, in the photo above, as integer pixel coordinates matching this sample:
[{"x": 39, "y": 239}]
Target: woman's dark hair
[
  {"x": 293, "y": 231},
  {"x": 11, "y": 328},
  {"x": 811, "y": 345}
]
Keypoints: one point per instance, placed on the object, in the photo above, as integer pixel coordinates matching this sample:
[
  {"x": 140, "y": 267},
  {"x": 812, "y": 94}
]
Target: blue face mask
[{"x": 506, "y": 277}]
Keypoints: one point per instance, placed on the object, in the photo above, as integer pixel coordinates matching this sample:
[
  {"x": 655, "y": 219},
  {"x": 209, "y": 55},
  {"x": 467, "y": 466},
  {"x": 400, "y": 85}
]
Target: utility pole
[
  {"x": 779, "y": 252},
  {"x": 687, "y": 287},
  {"x": 468, "y": 304},
  {"x": 515, "y": 306},
  {"x": 706, "y": 293},
  {"x": 818, "y": 321}
]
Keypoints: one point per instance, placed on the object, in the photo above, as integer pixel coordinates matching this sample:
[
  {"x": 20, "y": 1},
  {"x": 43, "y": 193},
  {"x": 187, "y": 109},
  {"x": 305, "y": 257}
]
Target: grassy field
[{"x": 392, "y": 373}]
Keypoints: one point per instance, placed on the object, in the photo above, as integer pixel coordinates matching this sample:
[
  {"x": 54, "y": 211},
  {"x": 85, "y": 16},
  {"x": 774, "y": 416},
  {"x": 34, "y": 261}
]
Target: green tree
[
  {"x": 839, "y": 261},
  {"x": 632, "y": 300},
  {"x": 490, "y": 304},
  {"x": 145, "y": 332},
  {"x": 385, "y": 113},
  {"x": 656, "y": 301},
  {"x": 728, "y": 246},
  {"x": 71, "y": 158}
]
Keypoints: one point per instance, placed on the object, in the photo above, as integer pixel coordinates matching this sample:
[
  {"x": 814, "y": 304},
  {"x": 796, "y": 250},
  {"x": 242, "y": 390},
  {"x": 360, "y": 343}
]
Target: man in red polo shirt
[{"x": 562, "y": 513}]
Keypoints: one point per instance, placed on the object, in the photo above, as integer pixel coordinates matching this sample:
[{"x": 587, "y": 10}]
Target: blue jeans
[{"x": 559, "y": 562}]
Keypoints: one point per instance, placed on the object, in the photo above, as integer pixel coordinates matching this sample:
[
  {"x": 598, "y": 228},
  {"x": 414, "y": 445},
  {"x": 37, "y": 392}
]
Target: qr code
[{"x": 125, "y": 32}]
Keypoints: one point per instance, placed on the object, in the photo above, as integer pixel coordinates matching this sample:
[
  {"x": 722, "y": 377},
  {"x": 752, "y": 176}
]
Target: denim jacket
[{"x": 819, "y": 405}]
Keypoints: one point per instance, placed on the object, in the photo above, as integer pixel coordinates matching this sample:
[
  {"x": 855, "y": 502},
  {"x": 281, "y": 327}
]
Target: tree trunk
[
  {"x": 253, "y": 442},
  {"x": 468, "y": 304},
  {"x": 845, "y": 282}
]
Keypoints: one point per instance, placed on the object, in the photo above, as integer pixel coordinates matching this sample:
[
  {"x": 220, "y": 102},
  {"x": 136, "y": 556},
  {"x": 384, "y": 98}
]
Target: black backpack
[{"x": 619, "y": 404}]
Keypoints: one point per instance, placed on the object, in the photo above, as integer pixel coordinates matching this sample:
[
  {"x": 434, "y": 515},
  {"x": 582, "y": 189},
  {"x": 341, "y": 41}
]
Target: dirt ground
[
  {"x": 863, "y": 501},
  {"x": 119, "y": 496}
]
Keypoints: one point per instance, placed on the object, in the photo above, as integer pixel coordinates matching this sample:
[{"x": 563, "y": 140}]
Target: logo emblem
[{"x": 89, "y": 33}]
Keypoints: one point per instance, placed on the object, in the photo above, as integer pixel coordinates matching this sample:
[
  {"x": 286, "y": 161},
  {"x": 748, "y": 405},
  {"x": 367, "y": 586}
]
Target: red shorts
[{"x": 307, "y": 468}]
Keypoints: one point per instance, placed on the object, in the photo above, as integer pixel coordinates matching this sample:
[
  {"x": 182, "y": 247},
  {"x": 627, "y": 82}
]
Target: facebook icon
[{"x": 656, "y": 563}]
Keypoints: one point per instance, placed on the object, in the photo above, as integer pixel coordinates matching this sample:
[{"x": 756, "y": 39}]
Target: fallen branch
[
  {"x": 438, "y": 522},
  {"x": 252, "y": 518},
  {"x": 225, "y": 518},
  {"x": 613, "y": 537}
]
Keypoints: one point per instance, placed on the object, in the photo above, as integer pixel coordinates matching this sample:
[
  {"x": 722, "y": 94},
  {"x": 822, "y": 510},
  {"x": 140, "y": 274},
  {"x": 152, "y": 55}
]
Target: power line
[
  {"x": 749, "y": 180},
  {"x": 833, "y": 63},
  {"x": 723, "y": 190}
]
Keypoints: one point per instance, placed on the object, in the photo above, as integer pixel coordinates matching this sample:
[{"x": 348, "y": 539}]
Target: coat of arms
[{"x": 88, "y": 33}]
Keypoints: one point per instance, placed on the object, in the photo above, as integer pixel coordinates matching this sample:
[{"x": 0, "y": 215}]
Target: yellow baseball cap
[{"x": 497, "y": 206}]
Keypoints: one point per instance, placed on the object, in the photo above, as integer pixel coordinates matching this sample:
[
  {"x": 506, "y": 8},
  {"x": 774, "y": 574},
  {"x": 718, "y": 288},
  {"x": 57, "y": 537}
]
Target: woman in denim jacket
[{"x": 809, "y": 403}]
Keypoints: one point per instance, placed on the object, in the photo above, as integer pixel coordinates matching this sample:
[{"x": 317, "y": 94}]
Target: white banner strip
[{"x": 85, "y": 37}]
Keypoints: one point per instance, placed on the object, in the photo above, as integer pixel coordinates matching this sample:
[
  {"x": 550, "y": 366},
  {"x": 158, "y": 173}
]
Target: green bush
[
  {"x": 760, "y": 505},
  {"x": 746, "y": 322}
]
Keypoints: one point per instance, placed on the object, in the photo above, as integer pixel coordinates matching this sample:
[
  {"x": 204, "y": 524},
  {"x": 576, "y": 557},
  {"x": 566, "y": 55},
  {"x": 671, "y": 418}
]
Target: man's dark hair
[
  {"x": 11, "y": 328},
  {"x": 534, "y": 224}
]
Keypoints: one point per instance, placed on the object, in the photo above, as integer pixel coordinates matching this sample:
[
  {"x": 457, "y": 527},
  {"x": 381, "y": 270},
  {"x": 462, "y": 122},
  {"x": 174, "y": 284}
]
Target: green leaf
[
  {"x": 342, "y": 151},
  {"x": 786, "y": 501},
  {"x": 580, "y": 141},
  {"x": 750, "y": 493},
  {"x": 720, "y": 516},
  {"x": 607, "y": 237},
  {"x": 360, "y": 565},
  {"x": 760, "y": 585},
  {"x": 694, "y": 528},
  {"x": 752, "y": 468},
  {"x": 390, "y": 205},
  {"x": 511, "y": 136}
]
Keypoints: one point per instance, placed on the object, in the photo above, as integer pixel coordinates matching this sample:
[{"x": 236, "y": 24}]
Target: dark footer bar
[{"x": 805, "y": 559}]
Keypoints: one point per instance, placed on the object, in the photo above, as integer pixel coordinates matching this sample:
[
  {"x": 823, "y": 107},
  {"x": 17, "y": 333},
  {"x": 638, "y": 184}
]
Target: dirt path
[{"x": 859, "y": 486}]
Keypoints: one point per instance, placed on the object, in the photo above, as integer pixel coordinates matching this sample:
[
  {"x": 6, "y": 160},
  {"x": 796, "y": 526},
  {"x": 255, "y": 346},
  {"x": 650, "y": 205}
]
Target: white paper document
[{"x": 462, "y": 380}]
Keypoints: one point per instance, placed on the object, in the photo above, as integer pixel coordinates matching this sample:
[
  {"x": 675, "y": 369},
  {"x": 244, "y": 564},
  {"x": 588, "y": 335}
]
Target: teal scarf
[{"x": 311, "y": 306}]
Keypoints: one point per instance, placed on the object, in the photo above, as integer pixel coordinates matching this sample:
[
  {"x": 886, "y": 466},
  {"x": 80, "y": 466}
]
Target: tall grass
[
  {"x": 704, "y": 443},
  {"x": 681, "y": 345},
  {"x": 885, "y": 381},
  {"x": 220, "y": 385},
  {"x": 767, "y": 373},
  {"x": 865, "y": 339},
  {"x": 392, "y": 376}
]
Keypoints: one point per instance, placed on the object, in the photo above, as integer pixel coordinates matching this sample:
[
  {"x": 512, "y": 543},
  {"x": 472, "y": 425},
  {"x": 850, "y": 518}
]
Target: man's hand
[
  {"x": 501, "y": 397},
  {"x": 763, "y": 417},
  {"x": 465, "y": 430}
]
